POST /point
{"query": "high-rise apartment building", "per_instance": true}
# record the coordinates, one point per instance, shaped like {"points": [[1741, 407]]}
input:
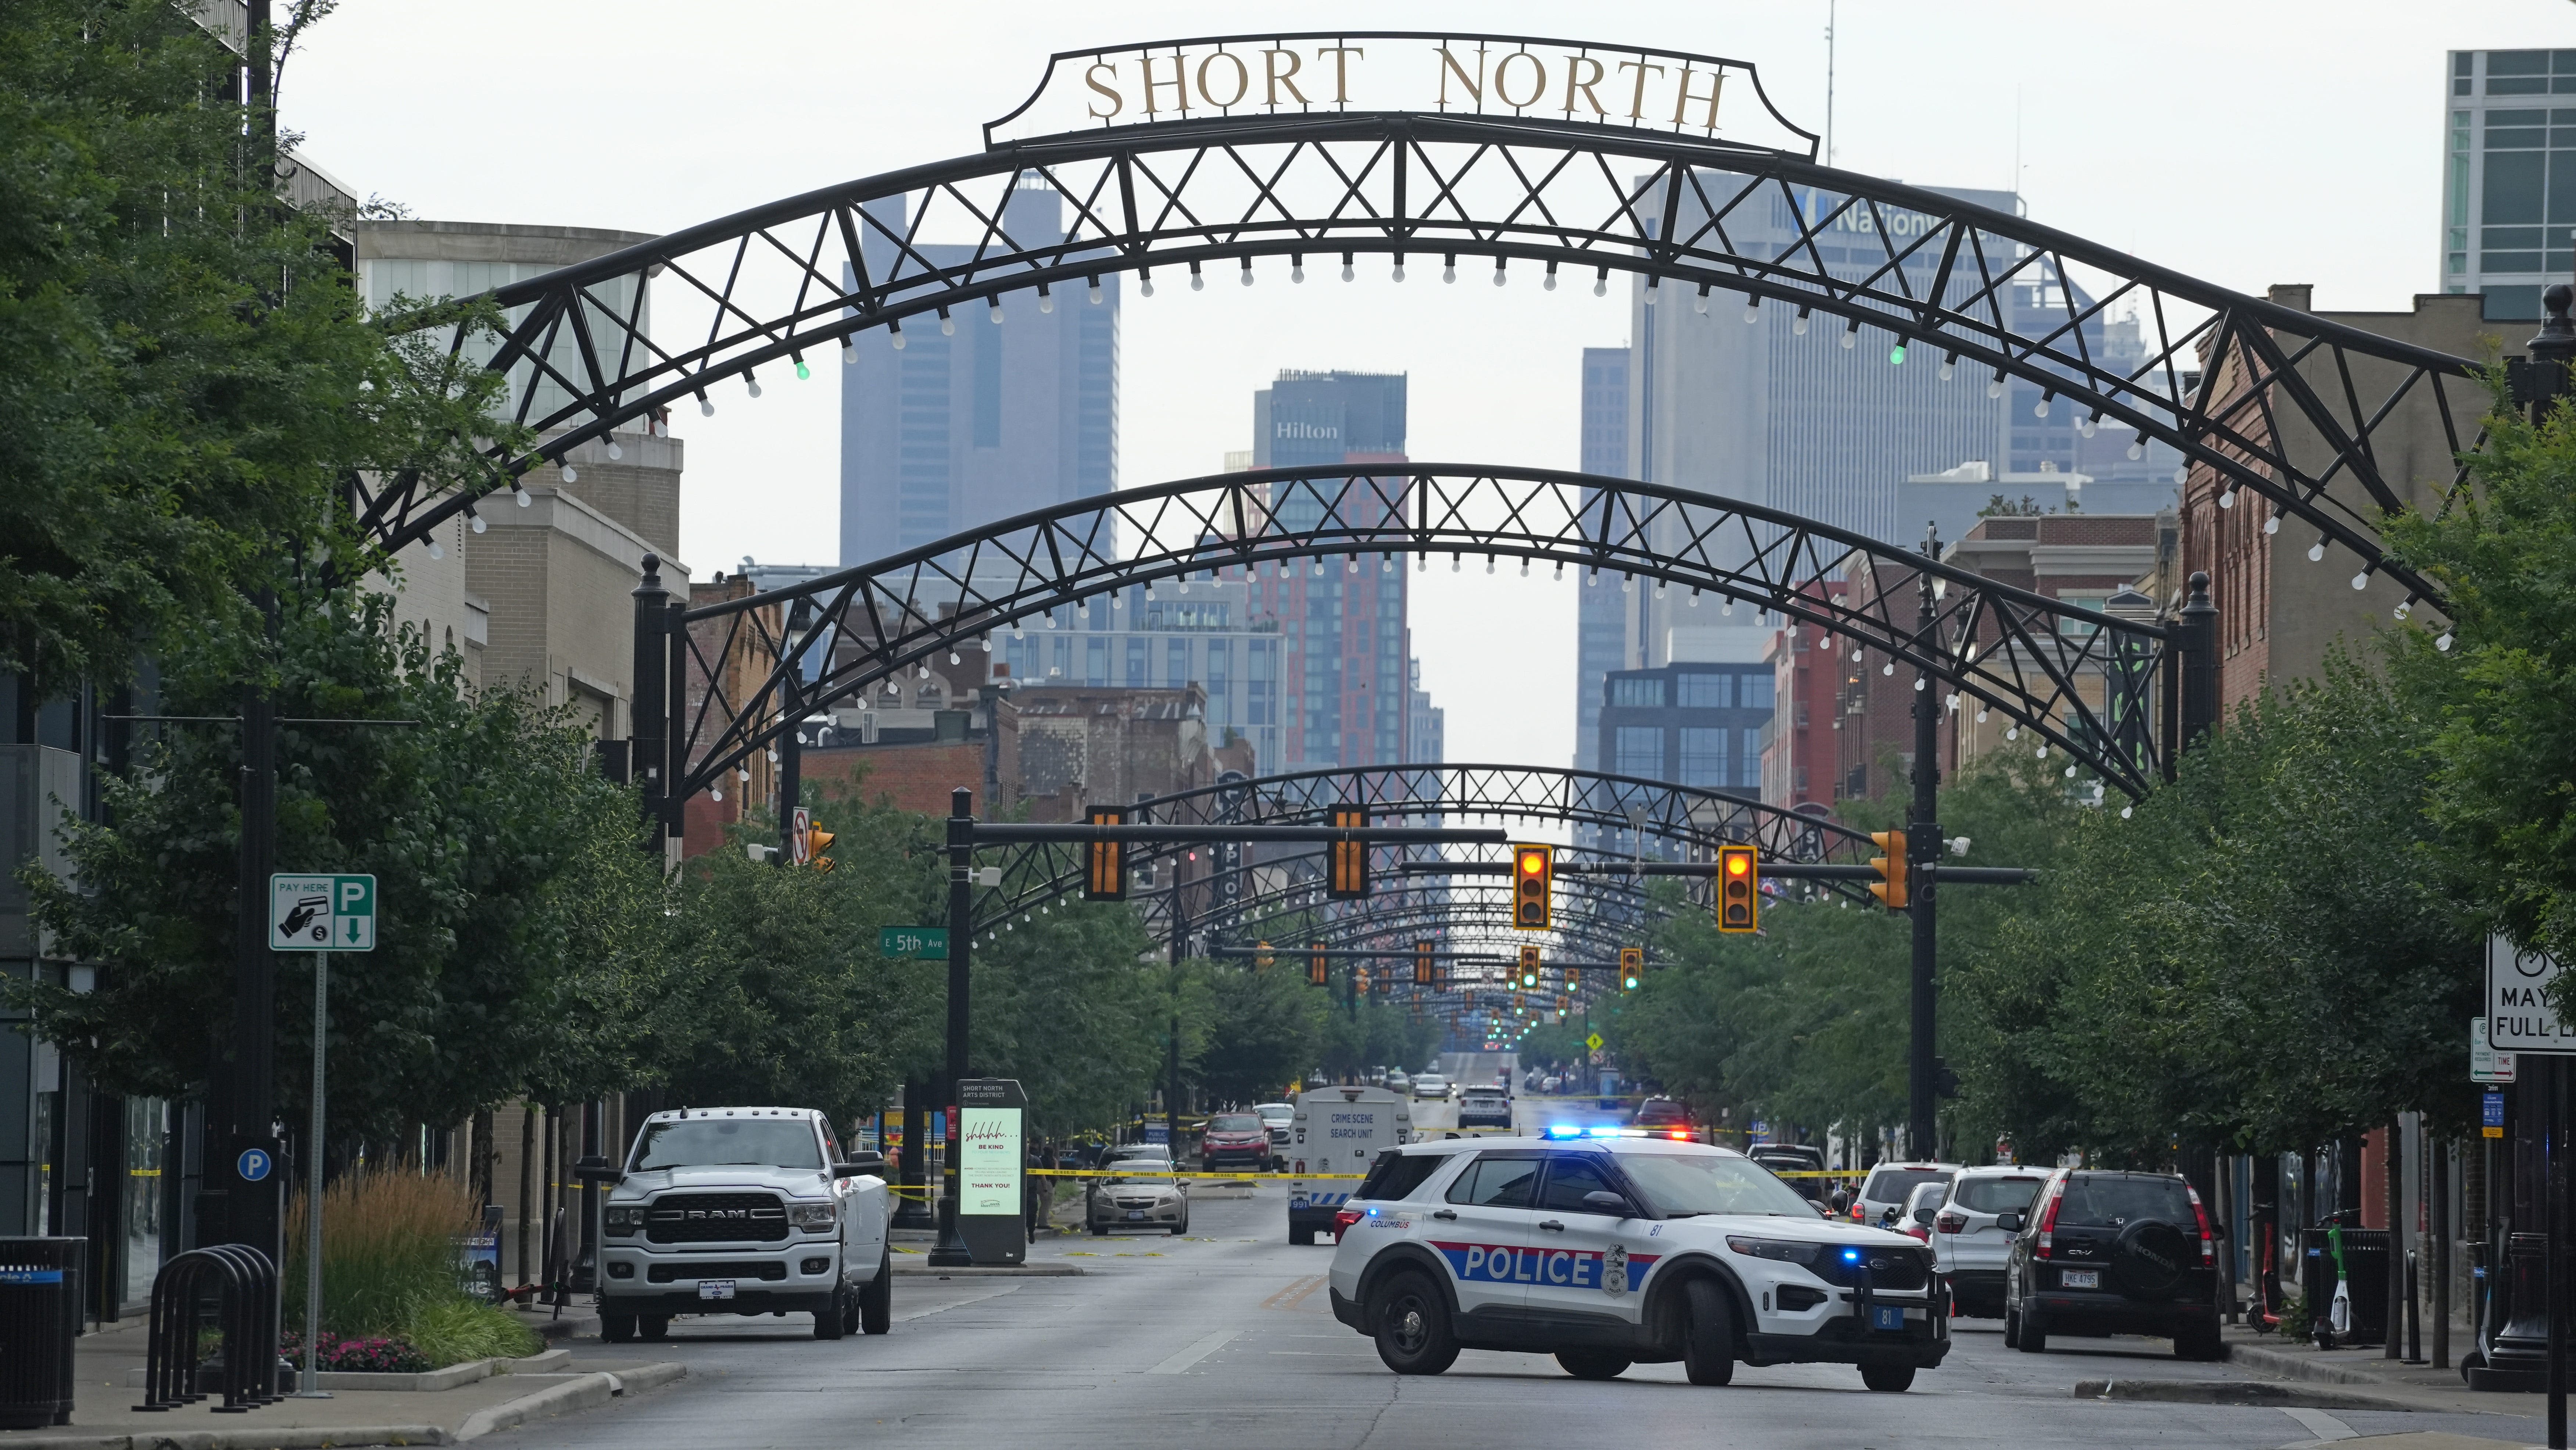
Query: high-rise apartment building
{"points": [[1344, 636], [982, 415], [1800, 412], [2509, 176], [1202, 632], [1601, 629]]}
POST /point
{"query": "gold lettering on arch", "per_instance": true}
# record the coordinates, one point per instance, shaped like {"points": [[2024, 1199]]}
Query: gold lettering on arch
{"points": [[1577, 80], [1449, 66], [1180, 84], [1341, 55], [1242, 79], [1637, 103], [1682, 101], [1272, 77], [1091, 78], [1503, 69]]}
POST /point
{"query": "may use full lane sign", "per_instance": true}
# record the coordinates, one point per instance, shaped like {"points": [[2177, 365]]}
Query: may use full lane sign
{"points": [[2519, 1015]]}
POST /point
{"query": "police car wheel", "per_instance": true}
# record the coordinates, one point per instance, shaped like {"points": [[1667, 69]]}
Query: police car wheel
{"points": [[1593, 1364], [1413, 1334], [1708, 1339], [1893, 1379]]}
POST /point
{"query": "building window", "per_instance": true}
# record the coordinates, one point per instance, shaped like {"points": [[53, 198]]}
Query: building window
{"points": [[1095, 661], [1703, 691], [1176, 663], [1062, 668], [1704, 753], [1136, 661], [1758, 691], [1748, 762], [1645, 690], [1639, 750]]}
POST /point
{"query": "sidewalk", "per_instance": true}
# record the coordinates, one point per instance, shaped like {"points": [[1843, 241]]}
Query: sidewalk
{"points": [[104, 1417], [2368, 1373]]}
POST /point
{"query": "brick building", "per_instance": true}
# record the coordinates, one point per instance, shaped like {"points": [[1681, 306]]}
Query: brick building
{"points": [[2279, 610], [1799, 764]]}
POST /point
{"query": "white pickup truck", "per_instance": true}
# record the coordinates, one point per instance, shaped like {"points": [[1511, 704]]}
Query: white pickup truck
{"points": [[1337, 1130], [744, 1211]]}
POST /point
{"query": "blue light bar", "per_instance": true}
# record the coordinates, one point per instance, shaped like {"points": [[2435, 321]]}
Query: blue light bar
{"points": [[1564, 1130]]}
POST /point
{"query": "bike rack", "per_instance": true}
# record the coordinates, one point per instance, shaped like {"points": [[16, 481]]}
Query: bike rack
{"points": [[242, 1285]]}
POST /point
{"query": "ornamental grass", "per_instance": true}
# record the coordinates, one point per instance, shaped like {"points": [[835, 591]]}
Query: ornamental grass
{"points": [[390, 1262]]}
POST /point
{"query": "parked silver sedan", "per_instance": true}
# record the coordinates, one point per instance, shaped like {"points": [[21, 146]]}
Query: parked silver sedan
{"points": [[1139, 1192]]}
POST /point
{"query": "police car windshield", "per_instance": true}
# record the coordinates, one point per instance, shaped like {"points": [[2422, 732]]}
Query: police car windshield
{"points": [[1679, 1185], [725, 1142]]}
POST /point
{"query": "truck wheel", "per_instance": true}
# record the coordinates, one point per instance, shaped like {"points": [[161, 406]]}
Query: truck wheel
{"points": [[1893, 1379], [616, 1326], [1708, 1340], [1300, 1236], [1413, 1334], [876, 1298], [655, 1327], [828, 1320]]}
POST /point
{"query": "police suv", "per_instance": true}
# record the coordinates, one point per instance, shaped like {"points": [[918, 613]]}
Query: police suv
{"points": [[1610, 1248], [744, 1211]]}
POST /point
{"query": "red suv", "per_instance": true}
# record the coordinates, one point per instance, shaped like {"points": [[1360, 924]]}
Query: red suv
{"points": [[1666, 1118], [1237, 1140]]}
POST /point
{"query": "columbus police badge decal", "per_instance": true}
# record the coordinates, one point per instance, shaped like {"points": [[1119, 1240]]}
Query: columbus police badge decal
{"points": [[1614, 1270]]}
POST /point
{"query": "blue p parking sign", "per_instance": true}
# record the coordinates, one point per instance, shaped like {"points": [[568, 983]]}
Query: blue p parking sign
{"points": [[253, 1165]]}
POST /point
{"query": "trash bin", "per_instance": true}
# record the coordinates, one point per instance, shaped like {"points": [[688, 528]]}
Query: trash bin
{"points": [[2365, 1261], [40, 1298]]}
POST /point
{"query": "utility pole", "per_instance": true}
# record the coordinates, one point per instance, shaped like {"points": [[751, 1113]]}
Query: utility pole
{"points": [[1922, 847], [951, 1250], [1172, 1045], [791, 741]]}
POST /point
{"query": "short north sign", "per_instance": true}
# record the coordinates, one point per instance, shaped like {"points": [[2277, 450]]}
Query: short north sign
{"points": [[1325, 74], [2519, 1015]]}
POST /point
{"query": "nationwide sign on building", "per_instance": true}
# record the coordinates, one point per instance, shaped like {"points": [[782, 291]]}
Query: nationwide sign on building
{"points": [[2519, 1015], [1329, 73]]}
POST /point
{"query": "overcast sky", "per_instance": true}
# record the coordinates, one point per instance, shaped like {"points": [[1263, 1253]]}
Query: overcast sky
{"points": [[2246, 142]]}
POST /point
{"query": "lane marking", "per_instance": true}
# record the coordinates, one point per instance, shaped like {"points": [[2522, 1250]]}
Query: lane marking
{"points": [[2322, 1425], [1295, 1292], [956, 1304], [1198, 1349]]}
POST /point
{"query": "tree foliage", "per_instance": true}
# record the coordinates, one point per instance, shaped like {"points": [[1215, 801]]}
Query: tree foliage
{"points": [[186, 378], [515, 923]]}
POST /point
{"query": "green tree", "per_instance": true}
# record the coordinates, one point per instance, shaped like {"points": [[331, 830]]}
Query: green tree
{"points": [[1265, 1032], [186, 379], [2502, 791], [508, 887], [778, 992], [1071, 1003]]}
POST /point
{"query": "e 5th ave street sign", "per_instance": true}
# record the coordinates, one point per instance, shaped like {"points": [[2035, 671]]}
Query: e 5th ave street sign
{"points": [[912, 941], [322, 913]]}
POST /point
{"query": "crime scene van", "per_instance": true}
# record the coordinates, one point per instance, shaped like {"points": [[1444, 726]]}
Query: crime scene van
{"points": [[1337, 1130]]}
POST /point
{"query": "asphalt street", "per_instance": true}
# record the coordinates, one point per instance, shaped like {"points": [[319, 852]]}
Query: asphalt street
{"points": [[1225, 1338]]}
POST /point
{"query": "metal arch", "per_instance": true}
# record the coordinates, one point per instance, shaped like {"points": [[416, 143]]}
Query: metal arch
{"points": [[1691, 815], [2036, 658], [1595, 900], [1184, 193]]}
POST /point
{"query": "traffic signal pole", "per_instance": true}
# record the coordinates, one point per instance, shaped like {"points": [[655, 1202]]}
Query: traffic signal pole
{"points": [[951, 1250], [1922, 848]]}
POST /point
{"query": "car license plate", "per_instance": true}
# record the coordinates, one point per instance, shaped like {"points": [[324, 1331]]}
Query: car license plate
{"points": [[1886, 1316], [2079, 1278], [1135, 1213], [715, 1288]]}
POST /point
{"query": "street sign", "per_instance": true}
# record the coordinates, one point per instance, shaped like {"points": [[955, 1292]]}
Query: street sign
{"points": [[1593, 1042], [2485, 1063], [2519, 1017], [321, 913], [799, 844], [253, 1165], [913, 941], [2491, 1115]]}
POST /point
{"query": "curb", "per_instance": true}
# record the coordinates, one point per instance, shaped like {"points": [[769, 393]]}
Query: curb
{"points": [[246, 1438], [586, 1392], [2232, 1392], [2306, 1367]]}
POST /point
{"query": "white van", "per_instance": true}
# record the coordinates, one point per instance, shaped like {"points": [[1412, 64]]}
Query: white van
{"points": [[1337, 1130]]}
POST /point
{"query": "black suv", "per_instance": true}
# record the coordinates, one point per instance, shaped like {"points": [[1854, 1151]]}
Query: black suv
{"points": [[2113, 1253]]}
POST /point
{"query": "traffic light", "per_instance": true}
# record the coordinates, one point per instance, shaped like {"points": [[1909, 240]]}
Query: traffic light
{"points": [[818, 842], [1890, 889], [1261, 957], [1519, 1000], [1105, 874], [1632, 967], [1564, 1003], [1348, 872], [1533, 887], [1363, 987], [1739, 888], [1425, 971], [1319, 973], [1529, 966], [1573, 975]]}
